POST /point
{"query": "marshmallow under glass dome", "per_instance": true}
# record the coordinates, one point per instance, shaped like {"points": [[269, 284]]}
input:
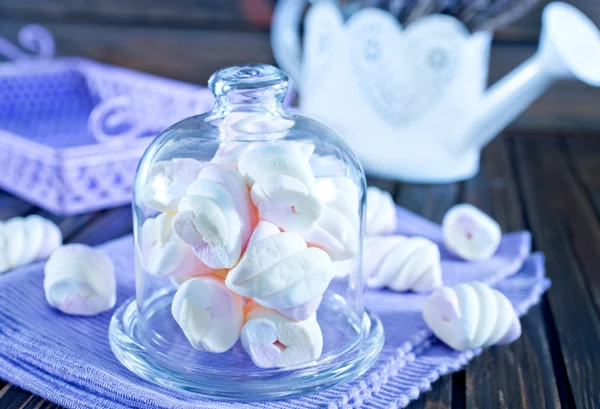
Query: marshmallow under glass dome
{"points": [[248, 234]]}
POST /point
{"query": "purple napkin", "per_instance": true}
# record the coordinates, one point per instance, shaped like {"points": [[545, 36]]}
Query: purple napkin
{"points": [[68, 360]]}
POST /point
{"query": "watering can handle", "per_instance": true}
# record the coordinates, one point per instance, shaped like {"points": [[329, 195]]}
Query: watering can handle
{"points": [[285, 37]]}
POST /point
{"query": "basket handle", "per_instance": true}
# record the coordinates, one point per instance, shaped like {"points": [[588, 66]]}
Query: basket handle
{"points": [[36, 42], [111, 114]]}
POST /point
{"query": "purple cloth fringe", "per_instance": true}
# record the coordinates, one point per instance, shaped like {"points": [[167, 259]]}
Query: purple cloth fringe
{"points": [[68, 359]]}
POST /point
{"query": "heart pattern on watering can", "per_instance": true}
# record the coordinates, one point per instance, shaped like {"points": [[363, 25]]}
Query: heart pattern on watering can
{"points": [[402, 73]]}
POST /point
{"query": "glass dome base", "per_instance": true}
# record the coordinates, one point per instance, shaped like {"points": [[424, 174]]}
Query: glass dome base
{"points": [[155, 348]]}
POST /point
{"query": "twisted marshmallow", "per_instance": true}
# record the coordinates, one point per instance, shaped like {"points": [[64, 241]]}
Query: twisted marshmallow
{"points": [[282, 185], [471, 315], [402, 264], [381, 212], [215, 217], [209, 314], [337, 229], [470, 233], [80, 280], [164, 253], [168, 181], [24, 240], [279, 271], [273, 341], [229, 153]]}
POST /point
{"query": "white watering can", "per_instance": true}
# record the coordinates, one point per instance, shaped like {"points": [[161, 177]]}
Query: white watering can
{"points": [[412, 103]]}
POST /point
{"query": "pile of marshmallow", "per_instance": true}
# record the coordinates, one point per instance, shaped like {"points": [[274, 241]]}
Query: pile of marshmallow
{"points": [[78, 279], [253, 240], [466, 316]]}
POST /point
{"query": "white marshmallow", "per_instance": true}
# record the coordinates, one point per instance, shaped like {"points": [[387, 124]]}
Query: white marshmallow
{"points": [[80, 280], [24, 240], [282, 185], [469, 233], [168, 181], [216, 217], [402, 263], [210, 315], [381, 212], [229, 152], [164, 253], [279, 271], [273, 341], [337, 230], [471, 315]]}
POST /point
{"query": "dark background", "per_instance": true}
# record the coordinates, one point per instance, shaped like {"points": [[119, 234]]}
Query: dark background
{"points": [[190, 39]]}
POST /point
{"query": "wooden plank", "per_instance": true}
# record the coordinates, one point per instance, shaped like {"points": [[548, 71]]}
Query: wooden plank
{"points": [[11, 206], [384, 184], [567, 230], [184, 54], [432, 201], [528, 27], [584, 156], [519, 375], [12, 397], [107, 225], [217, 14], [439, 397]]}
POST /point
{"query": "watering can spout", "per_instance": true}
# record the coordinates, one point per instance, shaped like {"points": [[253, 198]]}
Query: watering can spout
{"points": [[569, 49]]}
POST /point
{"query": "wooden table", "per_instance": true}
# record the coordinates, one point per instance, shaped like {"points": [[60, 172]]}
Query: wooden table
{"points": [[549, 184]]}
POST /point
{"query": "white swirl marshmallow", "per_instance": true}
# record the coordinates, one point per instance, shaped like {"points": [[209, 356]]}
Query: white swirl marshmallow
{"points": [[164, 253], [282, 185], [168, 181], [338, 228], [402, 263], [210, 315], [470, 233], [229, 152], [381, 212], [471, 315], [279, 271], [80, 280], [27, 239], [216, 217], [273, 341]]}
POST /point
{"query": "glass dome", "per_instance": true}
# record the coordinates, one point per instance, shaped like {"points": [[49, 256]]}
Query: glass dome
{"points": [[248, 226]]}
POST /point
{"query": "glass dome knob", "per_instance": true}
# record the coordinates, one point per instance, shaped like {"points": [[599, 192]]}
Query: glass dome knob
{"points": [[251, 81]]}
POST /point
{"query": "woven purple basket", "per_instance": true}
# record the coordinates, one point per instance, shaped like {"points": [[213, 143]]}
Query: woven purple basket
{"points": [[72, 130]]}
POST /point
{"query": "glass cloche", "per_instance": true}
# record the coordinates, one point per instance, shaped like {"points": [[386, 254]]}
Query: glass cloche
{"points": [[248, 228]]}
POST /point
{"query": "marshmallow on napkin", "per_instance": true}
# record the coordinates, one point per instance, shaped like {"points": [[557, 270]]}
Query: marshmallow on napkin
{"points": [[27, 239], [471, 315], [470, 233], [381, 212], [80, 280], [168, 181], [282, 185], [273, 341], [337, 229], [216, 217], [402, 263], [210, 315], [279, 271], [164, 253]]}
